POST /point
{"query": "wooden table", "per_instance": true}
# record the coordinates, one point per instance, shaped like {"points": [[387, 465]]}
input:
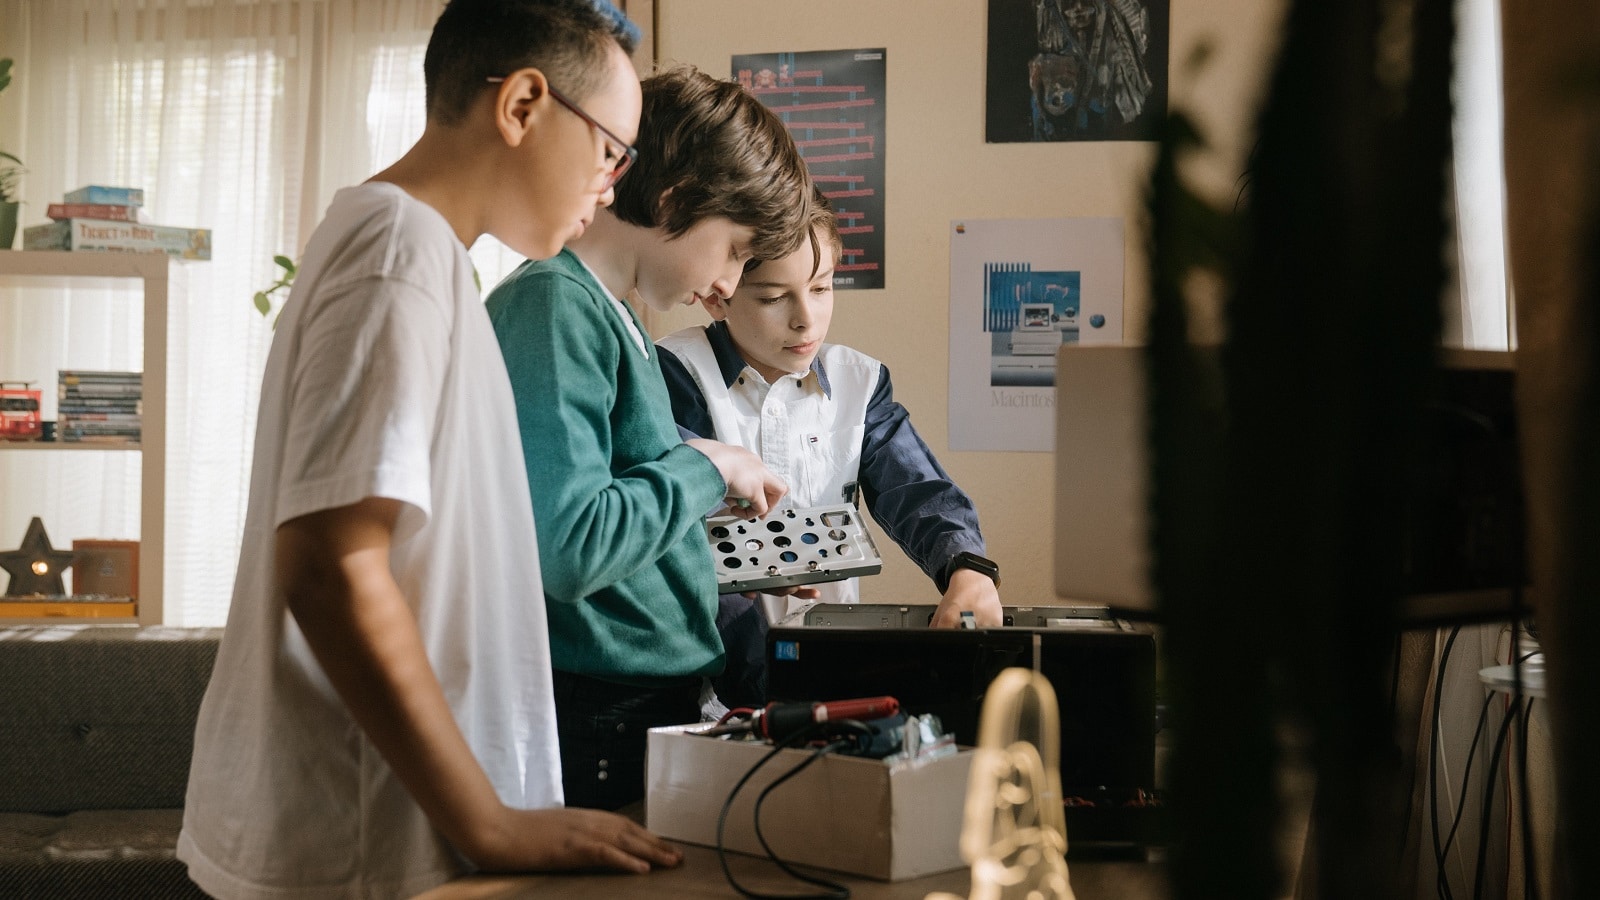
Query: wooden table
{"points": [[700, 878]]}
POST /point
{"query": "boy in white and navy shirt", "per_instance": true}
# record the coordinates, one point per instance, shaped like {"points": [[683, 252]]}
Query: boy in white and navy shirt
{"points": [[823, 417]]}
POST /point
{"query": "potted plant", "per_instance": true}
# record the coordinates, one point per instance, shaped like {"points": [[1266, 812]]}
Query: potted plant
{"points": [[263, 299], [10, 174]]}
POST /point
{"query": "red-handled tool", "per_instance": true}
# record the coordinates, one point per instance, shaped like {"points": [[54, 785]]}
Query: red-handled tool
{"points": [[777, 721]]}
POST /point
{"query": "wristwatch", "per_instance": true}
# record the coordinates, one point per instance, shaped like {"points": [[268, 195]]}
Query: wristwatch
{"points": [[966, 559]]}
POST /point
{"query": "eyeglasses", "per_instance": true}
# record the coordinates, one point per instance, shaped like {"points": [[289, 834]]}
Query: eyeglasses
{"points": [[621, 150]]}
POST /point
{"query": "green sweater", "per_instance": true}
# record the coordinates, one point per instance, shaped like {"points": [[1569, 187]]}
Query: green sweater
{"points": [[618, 498]]}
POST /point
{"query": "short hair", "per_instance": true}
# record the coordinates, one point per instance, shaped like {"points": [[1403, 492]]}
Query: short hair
{"points": [[824, 221], [709, 148], [569, 41]]}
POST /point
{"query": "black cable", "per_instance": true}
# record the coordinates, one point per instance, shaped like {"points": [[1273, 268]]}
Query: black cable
{"points": [[1529, 876], [1519, 536], [1394, 678], [1394, 707], [1488, 799], [839, 892], [1530, 873], [1522, 751], [1442, 884]]}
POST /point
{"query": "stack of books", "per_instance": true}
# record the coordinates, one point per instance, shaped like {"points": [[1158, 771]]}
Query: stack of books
{"points": [[97, 217], [99, 407]]}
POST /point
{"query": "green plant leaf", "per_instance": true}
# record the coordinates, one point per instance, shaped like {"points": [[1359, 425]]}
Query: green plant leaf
{"points": [[263, 305], [285, 263]]}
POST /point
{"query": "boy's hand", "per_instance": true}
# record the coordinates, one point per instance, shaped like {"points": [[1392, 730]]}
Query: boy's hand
{"points": [[333, 567], [798, 591], [555, 840], [748, 478], [969, 590]]}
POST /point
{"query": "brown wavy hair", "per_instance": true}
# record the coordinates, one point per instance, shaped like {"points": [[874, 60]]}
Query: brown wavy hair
{"points": [[823, 222], [709, 148]]}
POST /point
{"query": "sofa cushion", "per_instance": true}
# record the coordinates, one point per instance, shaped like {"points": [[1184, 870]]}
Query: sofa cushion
{"points": [[99, 717], [91, 854]]}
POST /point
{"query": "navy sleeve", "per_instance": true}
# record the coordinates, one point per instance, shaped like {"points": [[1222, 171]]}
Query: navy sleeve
{"points": [[689, 408], [908, 492]]}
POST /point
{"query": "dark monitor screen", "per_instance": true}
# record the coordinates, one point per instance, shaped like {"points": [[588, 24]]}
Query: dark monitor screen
{"points": [[1104, 683], [1465, 533]]}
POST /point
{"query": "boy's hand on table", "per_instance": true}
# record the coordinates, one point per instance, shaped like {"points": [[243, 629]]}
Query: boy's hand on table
{"points": [[969, 591], [747, 477], [556, 840], [334, 568]]}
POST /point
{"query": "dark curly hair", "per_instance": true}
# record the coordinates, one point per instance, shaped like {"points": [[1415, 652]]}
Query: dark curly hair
{"points": [[474, 40]]}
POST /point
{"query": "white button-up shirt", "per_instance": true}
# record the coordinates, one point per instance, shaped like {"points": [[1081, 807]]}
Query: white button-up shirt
{"points": [[830, 432]]}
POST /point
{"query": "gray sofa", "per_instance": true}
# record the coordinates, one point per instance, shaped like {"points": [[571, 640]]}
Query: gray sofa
{"points": [[96, 731]]}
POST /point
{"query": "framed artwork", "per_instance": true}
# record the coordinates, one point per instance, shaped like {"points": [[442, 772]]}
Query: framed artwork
{"points": [[109, 568], [1076, 70]]}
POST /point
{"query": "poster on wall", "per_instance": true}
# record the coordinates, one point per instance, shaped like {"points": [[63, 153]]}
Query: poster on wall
{"points": [[1019, 290], [832, 101], [1076, 70]]}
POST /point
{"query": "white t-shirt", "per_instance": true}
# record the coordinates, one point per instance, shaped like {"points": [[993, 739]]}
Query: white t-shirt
{"points": [[384, 380]]}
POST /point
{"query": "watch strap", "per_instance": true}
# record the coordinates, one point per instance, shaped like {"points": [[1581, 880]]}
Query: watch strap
{"points": [[966, 559]]}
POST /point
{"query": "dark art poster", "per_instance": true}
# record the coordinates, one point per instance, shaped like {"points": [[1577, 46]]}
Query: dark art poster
{"points": [[832, 101], [1076, 70]]}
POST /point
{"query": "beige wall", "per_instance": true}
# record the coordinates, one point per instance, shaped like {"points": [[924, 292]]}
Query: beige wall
{"points": [[939, 169]]}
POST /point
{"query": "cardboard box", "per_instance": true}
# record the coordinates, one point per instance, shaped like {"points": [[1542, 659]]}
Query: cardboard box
{"points": [[845, 813], [96, 234]]}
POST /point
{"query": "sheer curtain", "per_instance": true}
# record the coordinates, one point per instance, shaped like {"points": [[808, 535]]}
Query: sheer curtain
{"points": [[243, 116], [1479, 176]]}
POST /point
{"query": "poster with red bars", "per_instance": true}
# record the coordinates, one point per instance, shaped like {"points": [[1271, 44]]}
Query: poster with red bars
{"points": [[833, 103]]}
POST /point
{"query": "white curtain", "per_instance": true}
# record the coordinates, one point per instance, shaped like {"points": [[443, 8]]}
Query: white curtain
{"points": [[242, 116], [1482, 318]]}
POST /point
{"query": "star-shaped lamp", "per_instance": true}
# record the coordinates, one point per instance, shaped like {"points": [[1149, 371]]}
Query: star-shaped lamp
{"points": [[35, 567]]}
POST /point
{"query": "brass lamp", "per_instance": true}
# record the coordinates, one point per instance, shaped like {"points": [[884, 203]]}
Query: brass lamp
{"points": [[1015, 835]]}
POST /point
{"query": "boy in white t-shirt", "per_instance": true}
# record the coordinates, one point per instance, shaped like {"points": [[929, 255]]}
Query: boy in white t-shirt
{"points": [[824, 418], [380, 717]]}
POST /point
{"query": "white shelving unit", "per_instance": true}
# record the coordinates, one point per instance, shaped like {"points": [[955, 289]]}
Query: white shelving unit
{"points": [[47, 268]]}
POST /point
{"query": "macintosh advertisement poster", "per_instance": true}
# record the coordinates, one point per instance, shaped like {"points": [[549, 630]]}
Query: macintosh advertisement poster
{"points": [[1020, 289]]}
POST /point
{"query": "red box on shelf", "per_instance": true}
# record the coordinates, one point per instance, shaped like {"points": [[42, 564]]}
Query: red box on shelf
{"points": [[19, 412]]}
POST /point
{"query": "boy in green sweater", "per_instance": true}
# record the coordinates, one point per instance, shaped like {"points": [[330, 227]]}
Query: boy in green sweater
{"points": [[619, 496]]}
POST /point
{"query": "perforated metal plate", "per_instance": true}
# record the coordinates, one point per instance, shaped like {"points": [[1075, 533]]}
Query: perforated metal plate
{"points": [[790, 547]]}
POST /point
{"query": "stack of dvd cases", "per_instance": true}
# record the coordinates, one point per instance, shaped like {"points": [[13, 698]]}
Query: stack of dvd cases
{"points": [[99, 407]]}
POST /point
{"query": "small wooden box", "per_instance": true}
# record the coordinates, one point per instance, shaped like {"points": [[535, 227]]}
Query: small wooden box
{"points": [[105, 567]]}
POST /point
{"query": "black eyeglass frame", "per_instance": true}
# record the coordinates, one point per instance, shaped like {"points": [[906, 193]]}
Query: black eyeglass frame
{"points": [[626, 154]]}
